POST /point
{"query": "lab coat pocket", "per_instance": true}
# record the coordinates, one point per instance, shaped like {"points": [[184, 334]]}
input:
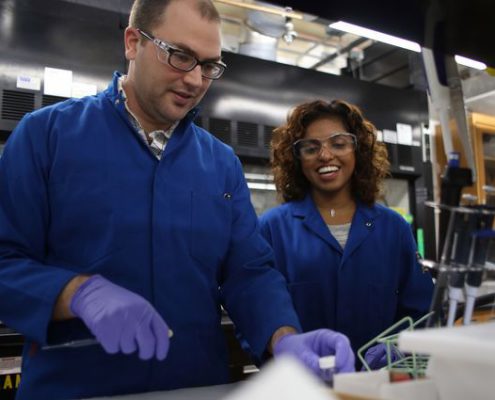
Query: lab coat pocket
{"points": [[211, 226]]}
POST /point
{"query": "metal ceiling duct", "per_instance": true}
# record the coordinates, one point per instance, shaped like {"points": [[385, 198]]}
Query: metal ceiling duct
{"points": [[262, 36], [258, 45]]}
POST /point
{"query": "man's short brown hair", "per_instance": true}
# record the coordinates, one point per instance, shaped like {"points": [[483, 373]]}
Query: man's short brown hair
{"points": [[147, 14]]}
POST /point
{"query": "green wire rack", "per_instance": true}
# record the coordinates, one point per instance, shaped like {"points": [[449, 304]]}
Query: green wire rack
{"points": [[413, 364]]}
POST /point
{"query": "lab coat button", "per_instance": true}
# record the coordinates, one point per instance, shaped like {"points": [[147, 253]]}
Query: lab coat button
{"points": [[227, 196], [368, 224]]}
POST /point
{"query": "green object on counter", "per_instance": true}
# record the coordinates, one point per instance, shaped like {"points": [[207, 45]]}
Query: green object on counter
{"points": [[421, 242], [412, 364], [409, 218]]}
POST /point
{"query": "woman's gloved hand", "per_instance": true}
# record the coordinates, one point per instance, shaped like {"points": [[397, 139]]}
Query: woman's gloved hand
{"points": [[120, 319], [310, 346], [376, 356]]}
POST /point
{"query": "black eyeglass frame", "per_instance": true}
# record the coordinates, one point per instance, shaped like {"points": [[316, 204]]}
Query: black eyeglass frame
{"points": [[170, 50], [295, 145]]}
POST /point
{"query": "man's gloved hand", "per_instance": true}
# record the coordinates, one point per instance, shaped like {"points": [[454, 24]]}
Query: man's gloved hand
{"points": [[310, 346], [120, 319], [376, 356]]}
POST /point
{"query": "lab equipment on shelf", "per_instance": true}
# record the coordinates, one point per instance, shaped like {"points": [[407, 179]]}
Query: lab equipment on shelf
{"points": [[460, 271]]}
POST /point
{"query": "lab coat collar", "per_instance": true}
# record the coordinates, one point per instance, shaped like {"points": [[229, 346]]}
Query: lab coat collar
{"points": [[363, 224], [306, 209], [112, 93]]}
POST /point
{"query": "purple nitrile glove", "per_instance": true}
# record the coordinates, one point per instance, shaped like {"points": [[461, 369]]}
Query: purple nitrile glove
{"points": [[310, 346], [120, 319], [376, 356]]}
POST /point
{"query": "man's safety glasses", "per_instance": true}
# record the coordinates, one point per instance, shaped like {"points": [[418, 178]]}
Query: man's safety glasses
{"points": [[183, 61], [339, 144]]}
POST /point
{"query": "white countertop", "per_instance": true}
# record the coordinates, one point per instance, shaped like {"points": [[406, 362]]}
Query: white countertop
{"points": [[198, 393]]}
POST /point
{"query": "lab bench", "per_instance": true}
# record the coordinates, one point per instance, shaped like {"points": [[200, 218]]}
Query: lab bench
{"points": [[202, 393], [199, 393]]}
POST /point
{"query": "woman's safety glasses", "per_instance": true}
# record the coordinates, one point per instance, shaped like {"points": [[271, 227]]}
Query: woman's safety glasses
{"points": [[339, 144]]}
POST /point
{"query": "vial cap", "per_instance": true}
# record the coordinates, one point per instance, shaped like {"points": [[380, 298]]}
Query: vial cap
{"points": [[454, 159], [327, 362]]}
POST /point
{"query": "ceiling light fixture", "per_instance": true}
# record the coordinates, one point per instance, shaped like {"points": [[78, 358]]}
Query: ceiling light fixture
{"points": [[396, 41], [375, 35], [468, 62], [290, 33]]}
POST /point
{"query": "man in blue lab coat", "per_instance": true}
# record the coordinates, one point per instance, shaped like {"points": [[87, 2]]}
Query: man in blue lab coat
{"points": [[122, 220]]}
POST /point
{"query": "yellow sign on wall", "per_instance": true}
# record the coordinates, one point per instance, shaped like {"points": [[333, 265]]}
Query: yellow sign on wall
{"points": [[9, 382]]}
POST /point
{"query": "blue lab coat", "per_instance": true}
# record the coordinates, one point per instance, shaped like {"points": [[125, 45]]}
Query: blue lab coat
{"points": [[359, 291], [80, 192]]}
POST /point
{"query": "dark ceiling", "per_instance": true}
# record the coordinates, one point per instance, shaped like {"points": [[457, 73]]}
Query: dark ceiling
{"points": [[383, 64], [463, 27]]}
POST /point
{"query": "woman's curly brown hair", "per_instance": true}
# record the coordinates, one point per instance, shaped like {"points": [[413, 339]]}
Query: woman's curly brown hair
{"points": [[372, 164]]}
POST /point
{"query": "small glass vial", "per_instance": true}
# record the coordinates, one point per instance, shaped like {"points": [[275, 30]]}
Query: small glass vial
{"points": [[327, 367]]}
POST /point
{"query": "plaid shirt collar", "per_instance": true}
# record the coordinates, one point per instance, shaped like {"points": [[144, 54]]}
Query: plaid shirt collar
{"points": [[155, 140]]}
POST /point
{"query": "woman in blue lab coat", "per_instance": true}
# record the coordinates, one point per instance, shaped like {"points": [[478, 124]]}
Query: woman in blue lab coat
{"points": [[350, 263]]}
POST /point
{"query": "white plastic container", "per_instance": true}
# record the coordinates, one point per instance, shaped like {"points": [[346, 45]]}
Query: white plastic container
{"points": [[462, 362], [327, 367]]}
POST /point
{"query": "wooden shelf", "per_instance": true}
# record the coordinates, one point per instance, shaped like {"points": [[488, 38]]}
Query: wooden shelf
{"points": [[482, 131]]}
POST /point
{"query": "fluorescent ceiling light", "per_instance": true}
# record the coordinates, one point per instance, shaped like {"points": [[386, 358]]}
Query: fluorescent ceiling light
{"points": [[470, 63], [375, 35], [395, 41], [261, 186], [252, 176]]}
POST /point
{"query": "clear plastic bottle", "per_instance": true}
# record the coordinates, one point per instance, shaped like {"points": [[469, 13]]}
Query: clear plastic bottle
{"points": [[327, 367]]}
